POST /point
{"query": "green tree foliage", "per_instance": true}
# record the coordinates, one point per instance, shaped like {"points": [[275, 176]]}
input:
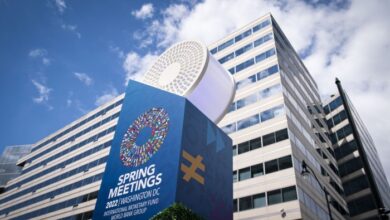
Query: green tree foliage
{"points": [[176, 211]]}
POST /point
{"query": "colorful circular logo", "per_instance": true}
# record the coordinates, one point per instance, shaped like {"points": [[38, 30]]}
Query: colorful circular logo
{"points": [[133, 154]]}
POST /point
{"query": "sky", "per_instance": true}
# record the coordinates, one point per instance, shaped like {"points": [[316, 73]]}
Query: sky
{"points": [[59, 59]]}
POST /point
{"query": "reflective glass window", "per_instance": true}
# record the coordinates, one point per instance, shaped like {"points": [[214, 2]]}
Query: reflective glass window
{"points": [[242, 83], [268, 139], [289, 194], [229, 128], [214, 51], [244, 174], [257, 170], [281, 135], [226, 58], [285, 162], [243, 35], [247, 122], [274, 197], [255, 143], [245, 203], [271, 166], [243, 49], [246, 101], [235, 176], [259, 200], [234, 150], [243, 147], [245, 65], [270, 91], [226, 44]]}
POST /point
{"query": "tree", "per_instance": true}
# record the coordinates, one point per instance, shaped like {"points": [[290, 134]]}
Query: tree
{"points": [[176, 211]]}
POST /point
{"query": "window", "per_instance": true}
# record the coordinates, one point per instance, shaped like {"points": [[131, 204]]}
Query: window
{"points": [[229, 128], [271, 166], [234, 150], [255, 143], [355, 185], [271, 113], [242, 83], [245, 65], [226, 44], [281, 135], [270, 91], [259, 200], [274, 197], [245, 203], [244, 174], [214, 51], [243, 35], [257, 170], [285, 162], [268, 139], [265, 55], [243, 49], [243, 147], [261, 25], [232, 70], [235, 208], [335, 103], [244, 123], [246, 101], [226, 58], [234, 176], [289, 194]]}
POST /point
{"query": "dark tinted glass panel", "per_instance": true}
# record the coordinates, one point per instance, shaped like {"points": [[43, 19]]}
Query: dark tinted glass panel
{"points": [[345, 149], [244, 174], [244, 49], [242, 83], [355, 185], [274, 197], [268, 139], [271, 166], [226, 44], [255, 143], [257, 170], [234, 176], [245, 65], [350, 166], [243, 35], [259, 200], [285, 162], [243, 147], [214, 51], [335, 103], [226, 58], [232, 70], [246, 203], [235, 207], [289, 194], [281, 135], [234, 150], [361, 205]]}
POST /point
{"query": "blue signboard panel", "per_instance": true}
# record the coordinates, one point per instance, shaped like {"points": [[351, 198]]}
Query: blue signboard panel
{"points": [[164, 151]]}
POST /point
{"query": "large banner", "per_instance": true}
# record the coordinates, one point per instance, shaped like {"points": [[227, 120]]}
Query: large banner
{"points": [[164, 151]]}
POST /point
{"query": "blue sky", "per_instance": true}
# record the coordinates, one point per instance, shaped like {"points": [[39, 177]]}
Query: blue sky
{"points": [[60, 59], [56, 61]]}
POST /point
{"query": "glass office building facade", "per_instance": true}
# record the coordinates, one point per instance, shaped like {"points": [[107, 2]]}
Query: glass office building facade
{"points": [[362, 174], [8, 168], [276, 121]]}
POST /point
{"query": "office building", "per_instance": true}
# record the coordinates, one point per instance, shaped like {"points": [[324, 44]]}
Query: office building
{"points": [[365, 185], [276, 121], [8, 168]]}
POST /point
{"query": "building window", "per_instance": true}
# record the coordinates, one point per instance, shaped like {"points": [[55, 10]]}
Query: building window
{"points": [[289, 194], [274, 197], [244, 174], [235, 208], [243, 147], [255, 143], [245, 203], [235, 176], [285, 162], [271, 166], [259, 200], [257, 170]]}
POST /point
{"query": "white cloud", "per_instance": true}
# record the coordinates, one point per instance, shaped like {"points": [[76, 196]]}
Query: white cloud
{"points": [[348, 39], [146, 11], [40, 53], [43, 91], [136, 65], [61, 5], [106, 96], [71, 28], [84, 78], [117, 51]]}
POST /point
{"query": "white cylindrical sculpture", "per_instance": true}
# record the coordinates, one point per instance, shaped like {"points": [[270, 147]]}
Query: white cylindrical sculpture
{"points": [[188, 69]]}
